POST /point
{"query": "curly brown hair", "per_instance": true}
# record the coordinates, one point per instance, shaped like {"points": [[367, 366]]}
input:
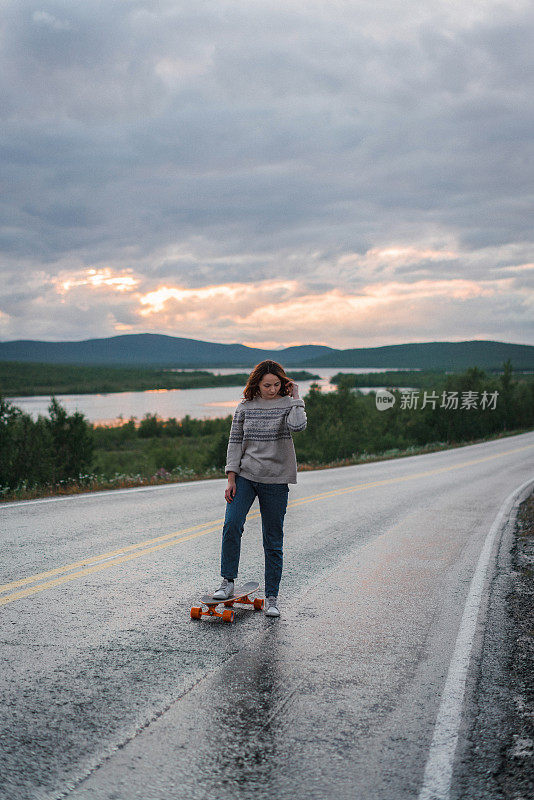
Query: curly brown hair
{"points": [[252, 389]]}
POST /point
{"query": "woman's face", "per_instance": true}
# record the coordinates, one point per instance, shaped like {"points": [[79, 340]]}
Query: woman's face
{"points": [[269, 386]]}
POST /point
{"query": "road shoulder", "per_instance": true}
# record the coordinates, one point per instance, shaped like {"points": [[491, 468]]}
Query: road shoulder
{"points": [[496, 759]]}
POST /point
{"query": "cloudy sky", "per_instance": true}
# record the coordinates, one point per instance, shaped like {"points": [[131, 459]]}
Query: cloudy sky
{"points": [[273, 173]]}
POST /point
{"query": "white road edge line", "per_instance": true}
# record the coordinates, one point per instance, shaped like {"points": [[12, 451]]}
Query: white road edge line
{"points": [[437, 777], [117, 492]]}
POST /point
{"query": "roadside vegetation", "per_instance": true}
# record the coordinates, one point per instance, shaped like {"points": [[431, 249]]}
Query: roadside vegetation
{"points": [[65, 454], [20, 379]]}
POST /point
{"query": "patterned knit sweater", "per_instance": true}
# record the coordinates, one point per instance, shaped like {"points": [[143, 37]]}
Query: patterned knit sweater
{"points": [[260, 447]]}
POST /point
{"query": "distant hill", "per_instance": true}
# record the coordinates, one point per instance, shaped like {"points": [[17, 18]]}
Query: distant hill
{"points": [[148, 349], [433, 355]]}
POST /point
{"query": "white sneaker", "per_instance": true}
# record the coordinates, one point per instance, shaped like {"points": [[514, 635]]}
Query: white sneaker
{"points": [[225, 590], [271, 607]]}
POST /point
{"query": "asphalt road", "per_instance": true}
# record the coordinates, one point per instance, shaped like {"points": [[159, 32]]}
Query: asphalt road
{"points": [[110, 691]]}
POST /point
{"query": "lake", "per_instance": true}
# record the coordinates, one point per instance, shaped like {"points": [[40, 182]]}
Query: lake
{"points": [[200, 403]]}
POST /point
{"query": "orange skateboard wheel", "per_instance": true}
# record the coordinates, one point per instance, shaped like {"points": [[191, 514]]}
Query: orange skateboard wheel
{"points": [[196, 612], [258, 603], [228, 615]]}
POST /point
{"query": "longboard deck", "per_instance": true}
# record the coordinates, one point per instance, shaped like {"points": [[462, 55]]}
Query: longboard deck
{"points": [[240, 595], [241, 591]]}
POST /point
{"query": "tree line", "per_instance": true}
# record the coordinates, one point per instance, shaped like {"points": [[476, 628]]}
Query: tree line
{"points": [[23, 379], [346, 423]]}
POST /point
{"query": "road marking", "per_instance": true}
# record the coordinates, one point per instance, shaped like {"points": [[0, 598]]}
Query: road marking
{"points": [[103, 556], [118, 492], [401, 478], [439, 766], [98, 567], [167, 540]]}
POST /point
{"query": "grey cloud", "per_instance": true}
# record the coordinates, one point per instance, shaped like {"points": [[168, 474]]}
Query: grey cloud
{"points": [[262, 129]]}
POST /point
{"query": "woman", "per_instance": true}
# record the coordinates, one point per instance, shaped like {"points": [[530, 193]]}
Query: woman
{"points": [[261, 463]]}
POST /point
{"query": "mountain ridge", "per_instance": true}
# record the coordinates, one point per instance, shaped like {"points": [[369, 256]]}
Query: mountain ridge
{"points": [[152, 349]]}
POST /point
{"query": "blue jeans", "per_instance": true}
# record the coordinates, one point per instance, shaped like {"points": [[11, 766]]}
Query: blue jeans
{"points": [[273, 503]]}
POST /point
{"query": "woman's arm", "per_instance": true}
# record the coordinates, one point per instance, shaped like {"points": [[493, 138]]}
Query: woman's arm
{"points": [[229, 492], [296, 419], [234, 452], [235, 442]]}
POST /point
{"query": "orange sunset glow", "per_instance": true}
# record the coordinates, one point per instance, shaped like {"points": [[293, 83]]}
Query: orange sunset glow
{"points": [[273, 313]]}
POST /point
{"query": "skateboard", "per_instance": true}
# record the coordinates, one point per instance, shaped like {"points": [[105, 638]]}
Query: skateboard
{"points": [[240, 595]]}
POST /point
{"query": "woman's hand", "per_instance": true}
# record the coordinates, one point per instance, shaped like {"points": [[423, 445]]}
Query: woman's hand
{"points": [[292, 389], [230, 490]]}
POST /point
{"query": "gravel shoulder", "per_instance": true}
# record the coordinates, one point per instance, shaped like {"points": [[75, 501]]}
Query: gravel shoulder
{"points": [[497, 760], [516, 776]]}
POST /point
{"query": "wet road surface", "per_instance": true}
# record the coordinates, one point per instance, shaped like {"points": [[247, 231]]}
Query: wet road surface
{"points": [[109, 690]]}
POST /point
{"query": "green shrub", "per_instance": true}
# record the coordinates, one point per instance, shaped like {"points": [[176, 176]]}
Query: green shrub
{"points": [[45, 451]]}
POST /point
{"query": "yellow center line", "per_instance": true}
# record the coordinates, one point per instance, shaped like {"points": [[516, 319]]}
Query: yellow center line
{"points": [[97, 568], [123, 554], [360, 486], [110, 554]]}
